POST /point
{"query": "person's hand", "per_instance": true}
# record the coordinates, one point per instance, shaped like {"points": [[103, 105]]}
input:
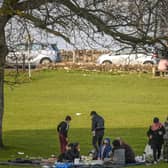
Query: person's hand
{"points": [[93, 133], [160, 132], [150, 137], [67, 139]]}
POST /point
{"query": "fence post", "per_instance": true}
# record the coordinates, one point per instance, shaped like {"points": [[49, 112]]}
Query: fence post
{"points": [[74, 56]]}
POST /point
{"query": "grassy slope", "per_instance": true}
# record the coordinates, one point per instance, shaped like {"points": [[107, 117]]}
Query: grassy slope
{"points": [[32, 110]]}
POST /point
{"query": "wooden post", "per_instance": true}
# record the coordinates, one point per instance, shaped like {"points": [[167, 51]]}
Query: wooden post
{"points": [[153, 71], [74, 56]]}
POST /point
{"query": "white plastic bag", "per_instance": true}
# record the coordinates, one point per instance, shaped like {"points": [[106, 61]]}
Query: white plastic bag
{"points": [[148, 150], [148, 153]]}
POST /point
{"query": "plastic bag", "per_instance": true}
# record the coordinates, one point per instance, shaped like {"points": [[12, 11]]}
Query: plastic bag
{"points": [[148, 154]]}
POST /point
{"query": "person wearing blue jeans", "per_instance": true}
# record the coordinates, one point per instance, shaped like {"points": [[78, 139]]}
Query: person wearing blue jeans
{"points": [[105, 150]]}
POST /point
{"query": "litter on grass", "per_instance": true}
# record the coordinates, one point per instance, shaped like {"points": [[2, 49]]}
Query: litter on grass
{"points": [[20, 153]]}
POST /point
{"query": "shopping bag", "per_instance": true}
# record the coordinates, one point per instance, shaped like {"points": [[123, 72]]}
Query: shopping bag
{"points": [[148, 154]]}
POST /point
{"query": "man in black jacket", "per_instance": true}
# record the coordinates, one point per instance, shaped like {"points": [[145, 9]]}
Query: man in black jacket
{"points": [[62, 129], [97, 129], [155, 134]]}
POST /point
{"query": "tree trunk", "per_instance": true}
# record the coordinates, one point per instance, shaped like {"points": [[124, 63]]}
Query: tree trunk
{"points": [[3, 53]]}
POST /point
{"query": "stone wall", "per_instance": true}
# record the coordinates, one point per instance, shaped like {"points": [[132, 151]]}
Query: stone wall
{"points": [[81, 55]]}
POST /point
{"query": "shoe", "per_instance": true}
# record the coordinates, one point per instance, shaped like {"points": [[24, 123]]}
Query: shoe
{"points": [[155, 162], [148, 164], [165, 160]]}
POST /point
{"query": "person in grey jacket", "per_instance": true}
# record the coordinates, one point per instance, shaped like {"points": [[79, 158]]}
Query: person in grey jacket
{"points": [[165, 145], [97, 130]]}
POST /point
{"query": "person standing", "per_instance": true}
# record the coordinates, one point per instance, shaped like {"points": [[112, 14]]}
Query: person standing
{"points": [[155, 134], [97, 130], [165, 146], [62, 130]]}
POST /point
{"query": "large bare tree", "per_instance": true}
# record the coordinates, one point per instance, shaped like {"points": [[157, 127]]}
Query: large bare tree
{"points": [[131, 22]]}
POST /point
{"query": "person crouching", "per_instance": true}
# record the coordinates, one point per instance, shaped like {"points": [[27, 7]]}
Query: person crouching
{"points": [[105, 149]]}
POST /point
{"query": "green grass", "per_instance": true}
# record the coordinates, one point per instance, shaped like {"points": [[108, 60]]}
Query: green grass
{"points": [[33, 109]]}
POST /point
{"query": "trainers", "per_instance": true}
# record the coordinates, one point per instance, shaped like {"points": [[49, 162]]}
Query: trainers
{"points": [[155, 162], [165, 160]]}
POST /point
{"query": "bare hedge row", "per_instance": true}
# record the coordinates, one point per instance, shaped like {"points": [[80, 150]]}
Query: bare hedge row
{"points": [[98, 68]]}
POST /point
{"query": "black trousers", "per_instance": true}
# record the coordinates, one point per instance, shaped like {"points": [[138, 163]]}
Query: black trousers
{"points": [[97, 140], [156, 151]]}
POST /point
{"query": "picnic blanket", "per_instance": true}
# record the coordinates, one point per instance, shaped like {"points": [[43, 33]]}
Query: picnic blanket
{"points": [[71, 165], [28, 162], [40, 163]]}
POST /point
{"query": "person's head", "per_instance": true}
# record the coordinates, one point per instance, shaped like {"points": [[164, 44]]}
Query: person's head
{"points": [[69, 146], [106, 141], [77, 146], [155, 120], [116, 143], [68, 118], [93, 113], [120, 140]]}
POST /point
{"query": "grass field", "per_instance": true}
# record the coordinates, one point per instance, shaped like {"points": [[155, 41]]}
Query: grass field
{"points": [[128, 102]]}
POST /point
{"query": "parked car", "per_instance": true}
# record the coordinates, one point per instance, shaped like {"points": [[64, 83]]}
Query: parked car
{"points": [[34, 53], [128, 56]]}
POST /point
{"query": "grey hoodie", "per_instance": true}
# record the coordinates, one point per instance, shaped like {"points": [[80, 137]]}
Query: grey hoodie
{"points": [[166, 130]]}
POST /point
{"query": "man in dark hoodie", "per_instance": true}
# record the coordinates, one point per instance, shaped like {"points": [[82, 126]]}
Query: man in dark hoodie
{"points": [[62, 129], [97, 130]]}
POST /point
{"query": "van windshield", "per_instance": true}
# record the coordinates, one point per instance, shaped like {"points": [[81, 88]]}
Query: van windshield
{"points": [[54, 46], [21, 47], [36, 47]]}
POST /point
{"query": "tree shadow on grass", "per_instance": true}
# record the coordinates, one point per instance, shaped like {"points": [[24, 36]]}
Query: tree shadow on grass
{"points": [[45, 142]]}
